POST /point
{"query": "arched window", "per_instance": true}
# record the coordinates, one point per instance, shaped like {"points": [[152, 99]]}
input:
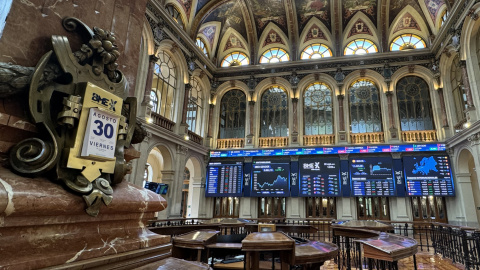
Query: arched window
{"points": [[235, 59], [274, 55], [164, 84], [201, 44], [365, 113], [360, 46], [407, 42], [176, 15], [315, 51], [318, 115], [154, 100], [414, 106], [443, 17], [4, 10], [233, 114], [274, 113], [459, 96], [195, 108]]}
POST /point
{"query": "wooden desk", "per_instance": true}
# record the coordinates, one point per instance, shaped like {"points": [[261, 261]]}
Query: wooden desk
{"points": [[313, 254], [197, 240], [298, 229], [174, 263], [388, 247], [345, 232], [254, 243]]}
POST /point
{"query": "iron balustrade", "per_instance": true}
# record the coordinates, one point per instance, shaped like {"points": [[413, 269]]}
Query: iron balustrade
{"points": [[460, 244]]}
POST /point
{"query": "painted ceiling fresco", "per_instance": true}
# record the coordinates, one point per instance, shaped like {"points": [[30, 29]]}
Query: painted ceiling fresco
{"points": [[250, 18], [265, 11], [306, 9], [230, 15], [351, 7]]}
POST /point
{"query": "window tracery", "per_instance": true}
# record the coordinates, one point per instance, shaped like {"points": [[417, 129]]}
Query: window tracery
{"points": [[235, 59], [365, 111], [274, 113], [318, 113], [274, 55], [233, 114], [164, 84], [414, 105], [360, 46], [407, 42], [315, 51]]}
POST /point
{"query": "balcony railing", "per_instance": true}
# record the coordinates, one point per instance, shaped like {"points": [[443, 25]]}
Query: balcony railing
{"points": [[162, 121], [318, 139], [195, 137], [419, 136], [230, 143], [372, 137], [272, 141]]}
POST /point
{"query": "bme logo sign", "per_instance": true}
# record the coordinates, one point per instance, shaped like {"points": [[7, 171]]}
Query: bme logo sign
{"points": [[110, 104]]}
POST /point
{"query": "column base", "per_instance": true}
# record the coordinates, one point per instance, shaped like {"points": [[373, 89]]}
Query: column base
{"points": [[394, 134], [249, 141], [342, 137], [294, 141]]}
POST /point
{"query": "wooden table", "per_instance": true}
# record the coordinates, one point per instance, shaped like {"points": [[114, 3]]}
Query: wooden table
{"points": [[184, 245], [254, 243], [345, 232], [222, 246], [174, 263], [388, 247], [313, 254], [298, 229]]}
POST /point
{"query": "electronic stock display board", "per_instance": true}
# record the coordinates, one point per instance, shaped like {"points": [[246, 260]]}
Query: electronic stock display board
{"points": [[372, 176], [364, 149], [270, 179], [319, 177], [428, 175], [224, 179]]}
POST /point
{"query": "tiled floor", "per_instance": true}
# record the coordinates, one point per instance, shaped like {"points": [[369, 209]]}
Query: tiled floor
{"points": [[425, 261]]}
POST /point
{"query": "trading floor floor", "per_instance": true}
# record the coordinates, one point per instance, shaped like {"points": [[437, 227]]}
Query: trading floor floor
{"points": [[425, 261]]}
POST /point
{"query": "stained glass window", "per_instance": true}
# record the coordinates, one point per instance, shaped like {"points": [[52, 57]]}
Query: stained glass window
{"points": [[164, 84], [233, 115], [365, 112], [407, 42], [316, 51], [274, 113], [235, 59], [195, 108], [274, 55], [318, 115], [360, 46], [176, 15], [202, 46], [414, 106]]}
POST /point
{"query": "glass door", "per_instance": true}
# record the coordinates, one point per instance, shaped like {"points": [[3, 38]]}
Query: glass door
{"points": [[429, 209], [373, 208], [321, 207], [271, 207], [226, 207]]}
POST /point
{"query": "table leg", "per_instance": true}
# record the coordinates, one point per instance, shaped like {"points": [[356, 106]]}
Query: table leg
{"points": [[414, 262], [199, 255], [347, 248], [255, 258]]}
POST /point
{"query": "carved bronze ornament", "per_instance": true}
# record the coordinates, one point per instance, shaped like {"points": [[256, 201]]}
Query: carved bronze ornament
{"points": [[78, 101]]}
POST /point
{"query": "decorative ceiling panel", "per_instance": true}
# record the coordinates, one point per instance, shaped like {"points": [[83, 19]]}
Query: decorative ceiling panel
{"points": [[230, 15], [433, 6], [265, 11], [201, 4], [351, 7], [306, 9], [187, 7]]}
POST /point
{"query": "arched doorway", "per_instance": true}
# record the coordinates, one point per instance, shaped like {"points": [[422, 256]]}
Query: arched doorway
{"points": [[466, 169], [196, 189], [159, 170]]}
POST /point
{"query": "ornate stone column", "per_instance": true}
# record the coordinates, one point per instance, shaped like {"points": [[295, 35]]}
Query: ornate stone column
{"points": [[183, 125], [341, 120], [148, 85], [250, 136], [175, 193], [466, 83], [295, 121], [442, 107], [210, 119], [393, 130]]}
